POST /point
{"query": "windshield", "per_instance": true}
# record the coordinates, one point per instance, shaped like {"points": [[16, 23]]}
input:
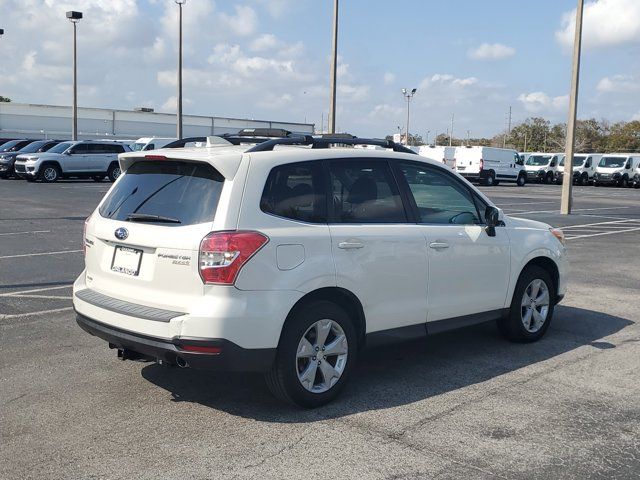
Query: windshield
{"points": [[34, 146], [61, 147], [9, 146], [136, 147], [578, 160], [187, 193], [538, 160], [612, 162]]}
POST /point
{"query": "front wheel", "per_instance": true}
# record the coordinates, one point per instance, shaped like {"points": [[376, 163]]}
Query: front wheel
{"points": [[624, 182], [522, 181], [50, 174], [316, 354], [531, 307], [548, 179]]}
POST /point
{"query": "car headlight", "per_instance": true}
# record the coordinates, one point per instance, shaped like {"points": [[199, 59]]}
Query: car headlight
{"points": [[559, 234]]}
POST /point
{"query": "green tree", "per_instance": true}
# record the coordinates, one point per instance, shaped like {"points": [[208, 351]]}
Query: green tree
{"points": [[531, 135], [4, 99]]}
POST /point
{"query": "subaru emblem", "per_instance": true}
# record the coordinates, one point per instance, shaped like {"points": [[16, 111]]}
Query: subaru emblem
{"points": [[121, 233]]}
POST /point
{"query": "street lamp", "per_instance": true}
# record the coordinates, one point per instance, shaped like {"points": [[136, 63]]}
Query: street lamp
{"points": [[427, 139], [74, 17], [180, 3], [334, 71], [408, 95]]}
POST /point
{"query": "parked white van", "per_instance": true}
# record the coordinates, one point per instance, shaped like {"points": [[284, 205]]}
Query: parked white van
{"points": [[584, 168], [616, 168], [439, 153], [150, 143], [489, 165], [542, 167]]}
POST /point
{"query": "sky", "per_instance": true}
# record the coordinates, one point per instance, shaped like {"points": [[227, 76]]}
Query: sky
{"points": [[269, 59]]}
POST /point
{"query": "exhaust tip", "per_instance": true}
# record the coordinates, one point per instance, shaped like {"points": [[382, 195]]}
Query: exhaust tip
{"points": [[181, 362]]}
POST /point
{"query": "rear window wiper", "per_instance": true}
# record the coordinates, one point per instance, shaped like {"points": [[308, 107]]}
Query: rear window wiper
{"points": [[145, 217]]}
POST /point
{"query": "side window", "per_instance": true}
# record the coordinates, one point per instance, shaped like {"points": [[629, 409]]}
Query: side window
{"points": [[628, 165], [296, 191], [554, 159], [96, 148], [518, 160], [114, 148], [440, 197], [364, 191], [587, 164], [79, 149]]}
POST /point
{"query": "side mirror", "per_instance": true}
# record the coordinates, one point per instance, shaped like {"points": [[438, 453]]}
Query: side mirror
{"points": [[492, 218]]}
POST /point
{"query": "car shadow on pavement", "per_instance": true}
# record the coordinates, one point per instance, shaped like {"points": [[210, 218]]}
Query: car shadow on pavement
{"points": [[400, 374]]}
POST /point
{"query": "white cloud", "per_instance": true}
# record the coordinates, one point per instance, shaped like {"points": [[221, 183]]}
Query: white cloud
{"points": [[540, 102], [606, 23], [491, 51], [619, 84], [244, 22], [389, 78]]}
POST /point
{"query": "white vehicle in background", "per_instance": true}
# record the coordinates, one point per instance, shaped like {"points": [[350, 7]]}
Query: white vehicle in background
{"points": [[150, 143], [443, 154], [584, 168], [542, 167], [524, 156], [489, 165], [616, 169], [635, 180]]}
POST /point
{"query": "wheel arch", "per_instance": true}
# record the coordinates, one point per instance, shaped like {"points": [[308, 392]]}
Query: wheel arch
{"points": [[341, 297], [547, 264]]}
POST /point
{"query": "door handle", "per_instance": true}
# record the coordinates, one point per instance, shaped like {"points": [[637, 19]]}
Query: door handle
{"points": [[350, 245], [438, 245]]}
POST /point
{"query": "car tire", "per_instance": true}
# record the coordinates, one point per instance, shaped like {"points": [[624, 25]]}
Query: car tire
{"points": [[548, 179], [98, 178], [298, 375], [584, 179], [521, 181], [114, 172], [490, 179], [49, 173], [527, 320], [624, 182]]}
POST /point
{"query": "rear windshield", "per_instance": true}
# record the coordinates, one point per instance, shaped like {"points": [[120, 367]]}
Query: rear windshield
{"points": [[176, 193]]}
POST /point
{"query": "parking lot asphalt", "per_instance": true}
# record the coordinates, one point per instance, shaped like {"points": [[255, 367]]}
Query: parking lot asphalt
{"points": [[465, 404]]}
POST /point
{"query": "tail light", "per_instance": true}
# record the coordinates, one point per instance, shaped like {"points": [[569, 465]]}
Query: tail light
{"points": [[481, 164], [223, 254], [84, 235]]}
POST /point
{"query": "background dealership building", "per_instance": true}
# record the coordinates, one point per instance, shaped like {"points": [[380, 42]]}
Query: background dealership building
{"points": [[19, 120]]}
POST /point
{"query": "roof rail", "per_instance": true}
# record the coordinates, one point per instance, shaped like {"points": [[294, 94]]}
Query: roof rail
{"points": [[326, 141]]}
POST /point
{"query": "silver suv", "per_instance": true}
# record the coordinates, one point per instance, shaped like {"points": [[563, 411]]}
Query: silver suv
{"points": [[81, 159]]}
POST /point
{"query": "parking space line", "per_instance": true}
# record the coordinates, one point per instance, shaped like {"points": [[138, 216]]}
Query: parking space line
{"points": [[613, 222], [603, 233], [575, 210], [29, 314], [39, 254], [10, 294], [24, 233], [47, 297]]}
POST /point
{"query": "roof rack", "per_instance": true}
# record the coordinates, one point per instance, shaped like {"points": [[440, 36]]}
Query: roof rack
{"points": [[325, 141]]}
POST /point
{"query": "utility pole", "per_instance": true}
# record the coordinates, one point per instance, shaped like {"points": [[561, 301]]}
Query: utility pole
{"points": [[525, 142], [451, 131], [567, 179], [179, 119], [427, 139], [75, 17], [334, 71], [408, 94], [468, 137]]}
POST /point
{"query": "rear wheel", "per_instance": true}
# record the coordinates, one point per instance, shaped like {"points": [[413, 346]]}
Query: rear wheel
{"points": [[49, 173], [531, 307], [521, 181], [114, 172], [490, 179], [316, 354]]}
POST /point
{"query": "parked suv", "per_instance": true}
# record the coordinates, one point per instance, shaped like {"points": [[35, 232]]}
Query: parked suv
{"points": [[290, 260], [8, 159], [81, 159]]}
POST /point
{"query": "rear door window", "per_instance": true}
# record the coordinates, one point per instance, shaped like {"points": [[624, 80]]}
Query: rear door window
{"points": [[296, 191], [171, 193], [365, 191]]}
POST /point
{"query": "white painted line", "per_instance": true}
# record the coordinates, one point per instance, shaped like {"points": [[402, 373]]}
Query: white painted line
{"points": [[24, 233], [50, 297], [603, 233], [575, 210], [29, 314], [39, 254], [36, 290], [613, 223], [522, 203]]}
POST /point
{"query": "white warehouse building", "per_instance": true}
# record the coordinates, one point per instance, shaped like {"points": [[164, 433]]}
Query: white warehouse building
{"points": [[21, 120]]}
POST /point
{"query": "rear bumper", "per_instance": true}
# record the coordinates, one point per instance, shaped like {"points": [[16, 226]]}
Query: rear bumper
{"points": [[231, 357]]}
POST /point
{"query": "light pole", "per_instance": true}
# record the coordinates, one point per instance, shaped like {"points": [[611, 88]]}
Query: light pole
{"points": [[180, 3], [334, 71], [567, 179], [408, 95], [74, 17], [427, 139]]}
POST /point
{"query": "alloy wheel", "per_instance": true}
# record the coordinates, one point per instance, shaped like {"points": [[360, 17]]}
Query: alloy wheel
{"points": [[321, 356], [535, 305]]}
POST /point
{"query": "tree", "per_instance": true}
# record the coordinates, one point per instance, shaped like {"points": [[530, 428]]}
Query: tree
{"points": [[624, 137], [4, 99], [531, 135]]}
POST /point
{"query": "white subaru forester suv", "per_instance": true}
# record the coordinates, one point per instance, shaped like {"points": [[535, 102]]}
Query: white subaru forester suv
{"points": [[288, 259]]}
